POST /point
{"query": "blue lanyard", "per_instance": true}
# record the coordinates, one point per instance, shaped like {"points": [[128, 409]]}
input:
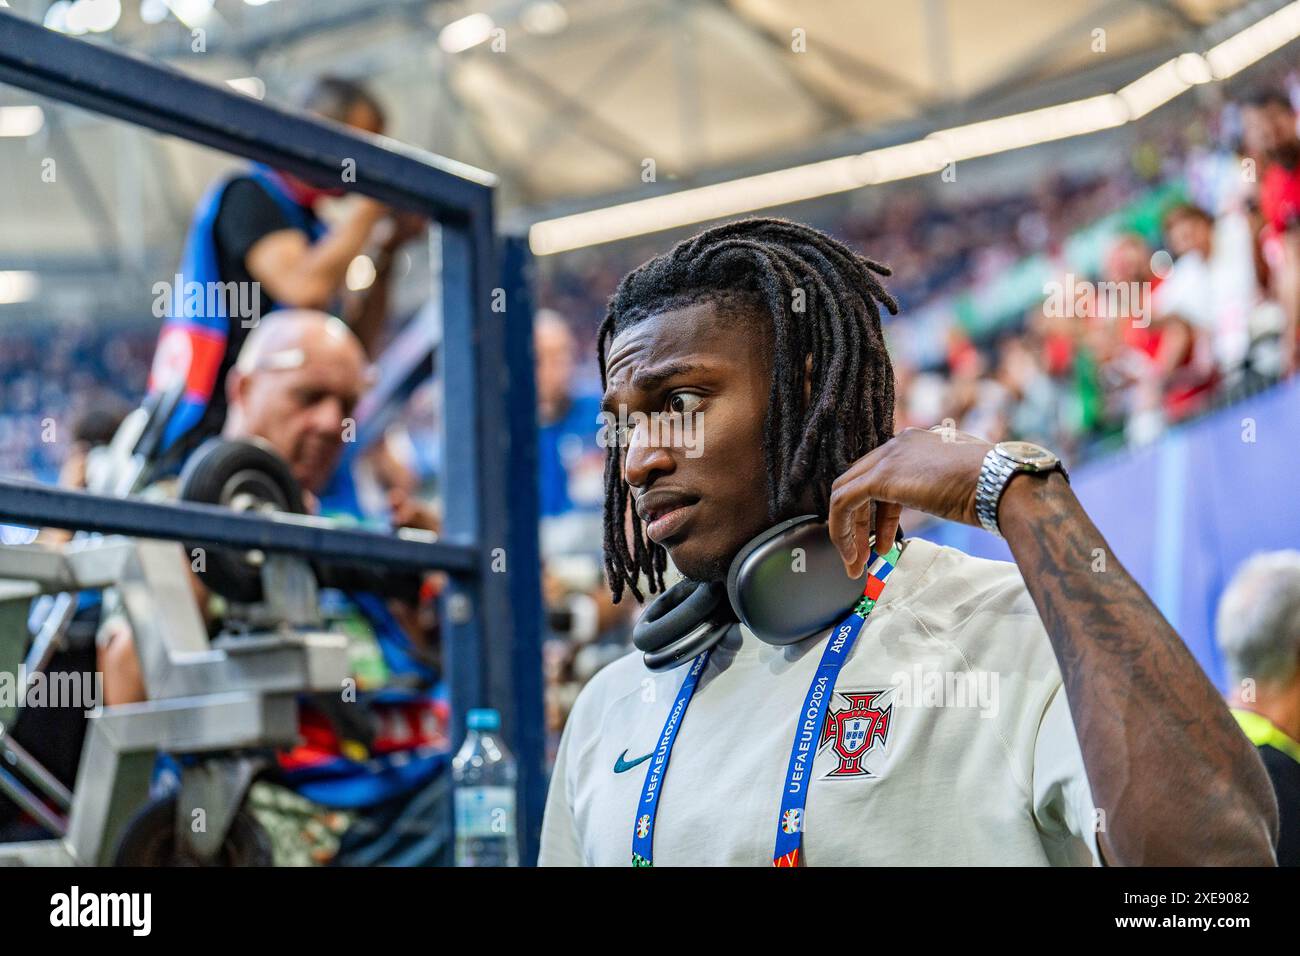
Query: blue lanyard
{"points": [[643, 831], [789, 834], [808, 732]]}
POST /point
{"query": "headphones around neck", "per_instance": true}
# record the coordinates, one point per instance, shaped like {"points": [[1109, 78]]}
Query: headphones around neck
{"points": [[785, 585]]}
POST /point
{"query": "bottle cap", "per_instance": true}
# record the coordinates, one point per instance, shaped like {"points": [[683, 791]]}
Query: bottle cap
{"points": [[483, 718]]}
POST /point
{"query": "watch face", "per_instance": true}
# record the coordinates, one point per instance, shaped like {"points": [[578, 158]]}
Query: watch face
{"points": [[1027, 453]]}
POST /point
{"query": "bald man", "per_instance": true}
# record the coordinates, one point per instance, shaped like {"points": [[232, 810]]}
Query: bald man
{"points": [[294, 386]]}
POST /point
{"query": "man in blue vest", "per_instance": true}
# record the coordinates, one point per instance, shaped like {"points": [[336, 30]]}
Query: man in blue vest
{"points": [[256, 245]]}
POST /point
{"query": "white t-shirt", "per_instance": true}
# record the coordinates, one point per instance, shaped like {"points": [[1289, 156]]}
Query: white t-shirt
{"points": [[1217, 296], [979, 763]]}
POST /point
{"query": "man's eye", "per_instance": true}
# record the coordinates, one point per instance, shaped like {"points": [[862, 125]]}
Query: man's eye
{"points": [[683, 403]]}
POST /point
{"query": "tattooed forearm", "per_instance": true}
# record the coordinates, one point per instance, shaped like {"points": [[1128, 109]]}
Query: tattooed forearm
{"points": [[1176, 779]]}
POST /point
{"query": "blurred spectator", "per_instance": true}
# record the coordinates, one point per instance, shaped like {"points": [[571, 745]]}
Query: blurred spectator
{"points": [[49, 379], [257, 244], [1269, 135], [1212, 283], [93, 429], [1258, 628], [585, 630], [571, 467], [1154, 361]]}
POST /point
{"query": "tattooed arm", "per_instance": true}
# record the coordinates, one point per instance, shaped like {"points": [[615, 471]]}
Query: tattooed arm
{"points": [[1179, 782]]}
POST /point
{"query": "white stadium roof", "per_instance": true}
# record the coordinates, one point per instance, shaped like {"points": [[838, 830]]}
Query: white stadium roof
{"points": [[566, 99]]}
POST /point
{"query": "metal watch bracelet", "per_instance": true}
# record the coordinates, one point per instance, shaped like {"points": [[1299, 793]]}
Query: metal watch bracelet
{"points": [[995, 473]]}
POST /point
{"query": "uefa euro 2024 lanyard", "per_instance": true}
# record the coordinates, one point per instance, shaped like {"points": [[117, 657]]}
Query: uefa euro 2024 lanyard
{"points": [[789, 830]]}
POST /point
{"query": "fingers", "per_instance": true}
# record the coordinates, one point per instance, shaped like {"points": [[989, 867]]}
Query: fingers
{"points": [[887, 514], [840, 523], [861, 539], [853, 496], [852, 529], [948, 433], [850, 519]]}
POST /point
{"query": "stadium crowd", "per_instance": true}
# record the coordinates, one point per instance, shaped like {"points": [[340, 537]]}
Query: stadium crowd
{"points": [[1084, 311], [48, 383]]}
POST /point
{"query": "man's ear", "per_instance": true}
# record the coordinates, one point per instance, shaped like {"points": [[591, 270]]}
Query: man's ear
{"points": [[236, 387], [807, 379]]}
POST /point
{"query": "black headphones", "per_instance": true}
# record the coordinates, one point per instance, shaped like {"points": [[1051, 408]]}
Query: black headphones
{"points": [[786, 585]]}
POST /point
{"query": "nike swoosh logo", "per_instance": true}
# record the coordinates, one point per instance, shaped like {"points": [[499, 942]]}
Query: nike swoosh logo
{"points": [[620, 765]]}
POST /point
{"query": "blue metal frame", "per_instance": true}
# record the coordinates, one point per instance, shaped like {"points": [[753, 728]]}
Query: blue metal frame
{"points": [[492, 632], [36, 505], [524, 679]]}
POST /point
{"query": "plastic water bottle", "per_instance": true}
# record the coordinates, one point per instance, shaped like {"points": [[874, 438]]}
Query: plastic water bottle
{"points": [[483, 773]]}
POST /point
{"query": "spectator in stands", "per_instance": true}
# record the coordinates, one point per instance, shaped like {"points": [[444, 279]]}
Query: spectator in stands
{"points": [[296, 381], [257, 241], [94, 428], [1211, 284], [48, 379], [1031, 411], [1258, 628], [1269, 133], [585, 629], [1158, 357], [570, 464]]}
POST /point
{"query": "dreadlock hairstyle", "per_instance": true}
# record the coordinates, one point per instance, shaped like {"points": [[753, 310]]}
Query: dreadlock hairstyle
{"points": [[823, 301]]}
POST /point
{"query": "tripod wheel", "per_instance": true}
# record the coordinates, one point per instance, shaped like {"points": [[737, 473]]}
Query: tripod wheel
{"points": [[149, 839]]}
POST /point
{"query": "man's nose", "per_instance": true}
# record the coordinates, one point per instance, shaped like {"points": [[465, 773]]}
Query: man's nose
{"points": [[644, 461], [328, 417]]}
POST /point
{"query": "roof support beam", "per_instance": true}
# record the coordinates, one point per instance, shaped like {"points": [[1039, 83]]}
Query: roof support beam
{"points": [[1171, 10], [602, 81], [586, 122], [1049, 50], [832, 110]]}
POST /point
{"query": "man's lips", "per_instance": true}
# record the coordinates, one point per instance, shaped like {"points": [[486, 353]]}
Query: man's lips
{"points": [[664, 515], [668, 524]]}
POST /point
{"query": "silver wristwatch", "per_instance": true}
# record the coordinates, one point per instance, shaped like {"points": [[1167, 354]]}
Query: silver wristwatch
{"points": [[1005, 459]]}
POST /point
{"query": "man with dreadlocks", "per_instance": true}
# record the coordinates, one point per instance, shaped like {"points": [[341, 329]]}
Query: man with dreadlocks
{"points": [[1093, 735]]}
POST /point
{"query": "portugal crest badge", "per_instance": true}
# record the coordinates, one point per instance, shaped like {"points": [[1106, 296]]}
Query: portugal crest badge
{"points": [[857, 724]]}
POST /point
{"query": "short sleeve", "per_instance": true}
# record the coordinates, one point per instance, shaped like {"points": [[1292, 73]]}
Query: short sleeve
{"points": [[247, 215], [559, 846], [1063, 805]]}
